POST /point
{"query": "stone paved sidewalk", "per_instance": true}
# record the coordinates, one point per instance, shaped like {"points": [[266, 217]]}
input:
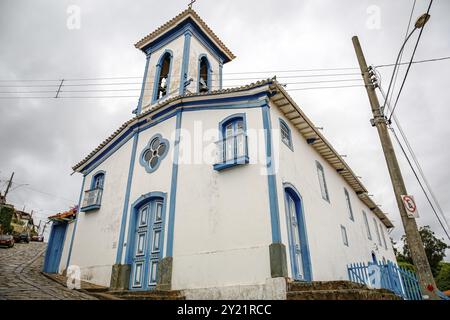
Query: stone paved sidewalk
{"points": [[21, 277]]}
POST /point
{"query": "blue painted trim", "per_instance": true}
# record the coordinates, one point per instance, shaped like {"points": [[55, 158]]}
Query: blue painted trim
{"points": [[290, 145], [349, 204], [145, 164], [232, 118], [158, 74], [187, 25], [220, 74], [271, 177], [209, 71], [55, 244], [290, 190], [213, 103], [144, 80], [173, 187], [234, 162], [127, 199], [135, 206], [344, 232], [185, 62], [95, 177], [90, 208], [327, 195], [76, 222], [157, 118]]}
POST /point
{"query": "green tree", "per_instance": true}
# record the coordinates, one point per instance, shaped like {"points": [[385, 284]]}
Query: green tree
{"points": [[434, 249], [6, 214], [443, 277]]}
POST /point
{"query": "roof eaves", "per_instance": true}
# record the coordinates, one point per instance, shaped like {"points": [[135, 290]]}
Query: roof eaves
{"points": [[349, 176], [179, 18]]}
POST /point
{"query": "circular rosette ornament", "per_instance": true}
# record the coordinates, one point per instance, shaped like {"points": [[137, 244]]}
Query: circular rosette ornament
{"points": [[154, 153]]}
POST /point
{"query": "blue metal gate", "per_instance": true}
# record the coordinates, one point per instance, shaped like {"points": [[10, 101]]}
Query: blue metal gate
{"points": [[388, 276], [55, 247]]}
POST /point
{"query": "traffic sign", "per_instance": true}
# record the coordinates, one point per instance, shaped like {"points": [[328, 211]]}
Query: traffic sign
{"points": [[410, 206]]}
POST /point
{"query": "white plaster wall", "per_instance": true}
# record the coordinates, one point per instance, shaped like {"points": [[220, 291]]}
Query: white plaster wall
{"points": [[329, 256], [222, 220], [176, 46], [195, 51], [65, 253], [95, 243], [159, 180]]}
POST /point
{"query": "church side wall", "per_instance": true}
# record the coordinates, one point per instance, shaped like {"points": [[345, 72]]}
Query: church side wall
{"points": [[323, 219], [222, 222], [95, 243]]}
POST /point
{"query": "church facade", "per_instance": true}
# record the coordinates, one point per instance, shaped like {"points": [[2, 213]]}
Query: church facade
{"points": [[213, 188]]}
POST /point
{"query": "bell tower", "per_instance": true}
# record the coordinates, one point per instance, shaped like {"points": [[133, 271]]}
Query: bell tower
{"points": [[183, 56]]}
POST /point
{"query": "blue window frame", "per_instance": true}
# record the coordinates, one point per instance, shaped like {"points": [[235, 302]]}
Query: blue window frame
{"points": [[204, 74], [322, 182], [366, 222], [93, 197], [383, 236], [285, 133], [232, 146], [161, 84], [344, 235], [349, 205], [377, 231]]}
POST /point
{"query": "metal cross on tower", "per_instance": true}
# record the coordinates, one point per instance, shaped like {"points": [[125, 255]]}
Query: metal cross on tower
{"points": [[191, 3]]}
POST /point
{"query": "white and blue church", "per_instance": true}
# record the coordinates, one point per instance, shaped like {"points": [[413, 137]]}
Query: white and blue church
{"points": [[214, 190]]}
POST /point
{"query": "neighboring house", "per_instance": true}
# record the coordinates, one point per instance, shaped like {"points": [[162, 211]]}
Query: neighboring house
{"points": [[158, 211], [62, 229]]}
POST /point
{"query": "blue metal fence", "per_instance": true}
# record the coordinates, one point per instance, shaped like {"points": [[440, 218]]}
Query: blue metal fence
{"points": [[388, 276]]}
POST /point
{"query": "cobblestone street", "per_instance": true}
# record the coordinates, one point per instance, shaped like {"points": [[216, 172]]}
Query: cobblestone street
{"points": [[21, 278]]}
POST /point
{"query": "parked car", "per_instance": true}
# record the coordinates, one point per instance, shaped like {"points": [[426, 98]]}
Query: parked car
{"points": [[6, 241], [37, 238], [24, 236]]}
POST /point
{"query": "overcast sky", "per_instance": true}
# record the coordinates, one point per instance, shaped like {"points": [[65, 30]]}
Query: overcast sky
{"points": [[40, 139]]}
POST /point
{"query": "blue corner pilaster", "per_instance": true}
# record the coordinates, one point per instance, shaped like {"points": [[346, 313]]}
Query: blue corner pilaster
{"points": [[173, 187], [185, 62], [69, 255], [271, 176], [144, 80], [220, 74], [127, 198]]}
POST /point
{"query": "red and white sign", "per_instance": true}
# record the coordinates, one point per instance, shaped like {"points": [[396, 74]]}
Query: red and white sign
{"points": [[410, 206]]}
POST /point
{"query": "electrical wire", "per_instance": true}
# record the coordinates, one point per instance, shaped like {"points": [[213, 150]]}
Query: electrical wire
{"points": [[406, 35], [409, 65], [419, 168]]}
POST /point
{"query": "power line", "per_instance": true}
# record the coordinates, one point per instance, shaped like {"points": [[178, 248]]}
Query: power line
{"points": [[396, 72], [225, 73], [138, 89], [410, 63], [422, 174], [414, 62], [420, 183]]}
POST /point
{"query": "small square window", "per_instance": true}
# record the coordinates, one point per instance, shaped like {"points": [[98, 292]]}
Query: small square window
{"points": [[285, 134], [344, 235]]}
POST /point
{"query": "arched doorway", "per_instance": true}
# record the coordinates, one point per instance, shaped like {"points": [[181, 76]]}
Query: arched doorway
{"points": [[298, 241]]}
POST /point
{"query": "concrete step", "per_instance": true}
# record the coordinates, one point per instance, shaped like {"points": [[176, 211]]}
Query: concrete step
{"points": [[323, 285], [148, 295], [343, 294]]}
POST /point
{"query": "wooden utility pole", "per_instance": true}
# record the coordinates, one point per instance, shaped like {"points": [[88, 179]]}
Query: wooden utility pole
{"points": [[418, 255], [3, 197]]}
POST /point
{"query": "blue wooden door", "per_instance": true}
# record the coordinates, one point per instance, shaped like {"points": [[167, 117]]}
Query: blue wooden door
{"points": [[295, 243], [147, 246], [55, 247], [298, 243]]}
